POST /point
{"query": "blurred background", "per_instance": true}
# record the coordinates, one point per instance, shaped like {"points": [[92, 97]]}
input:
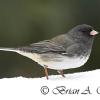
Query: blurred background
{"points": [[26, 21]]}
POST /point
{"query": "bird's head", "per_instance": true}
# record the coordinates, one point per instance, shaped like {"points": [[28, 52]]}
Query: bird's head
{"points": [[83, 32]]}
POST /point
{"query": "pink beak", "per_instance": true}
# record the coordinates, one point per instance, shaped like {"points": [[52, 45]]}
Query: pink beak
{"points": [[93, 32]]}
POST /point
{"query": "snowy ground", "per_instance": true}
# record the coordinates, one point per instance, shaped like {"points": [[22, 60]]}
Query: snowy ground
{"points": [[84, 85]]}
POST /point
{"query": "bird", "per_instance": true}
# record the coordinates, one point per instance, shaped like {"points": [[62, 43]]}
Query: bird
{"points": [[64, 51]]}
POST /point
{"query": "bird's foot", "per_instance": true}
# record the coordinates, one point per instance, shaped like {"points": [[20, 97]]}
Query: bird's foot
{"points": [[46, 71], [61, 73]]}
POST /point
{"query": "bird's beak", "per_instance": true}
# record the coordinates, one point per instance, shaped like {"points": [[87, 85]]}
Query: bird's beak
{"points": [[93, 32]]}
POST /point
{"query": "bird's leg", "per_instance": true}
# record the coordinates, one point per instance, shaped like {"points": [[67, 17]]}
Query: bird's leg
{"points": [[46, 72], [61, 73]]}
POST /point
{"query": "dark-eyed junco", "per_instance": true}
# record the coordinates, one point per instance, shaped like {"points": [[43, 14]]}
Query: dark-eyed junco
{"points": [[65, 51]]}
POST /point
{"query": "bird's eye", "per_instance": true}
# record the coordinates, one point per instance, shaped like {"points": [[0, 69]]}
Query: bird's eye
{"points": [[83, 31], [86, 30]]}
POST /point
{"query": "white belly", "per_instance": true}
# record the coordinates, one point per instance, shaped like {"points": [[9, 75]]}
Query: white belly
{"points": [[64, 63], [67, 63]]}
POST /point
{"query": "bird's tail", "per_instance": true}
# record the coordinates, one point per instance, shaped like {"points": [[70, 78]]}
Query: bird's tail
{"points": [[8, 49]]}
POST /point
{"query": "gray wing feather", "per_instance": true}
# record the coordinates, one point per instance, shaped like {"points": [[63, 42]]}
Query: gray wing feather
{"points": [[55, 45], [47, 46], [43, 47]]}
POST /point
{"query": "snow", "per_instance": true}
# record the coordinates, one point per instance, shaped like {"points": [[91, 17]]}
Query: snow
{"points": [[83, 85]]}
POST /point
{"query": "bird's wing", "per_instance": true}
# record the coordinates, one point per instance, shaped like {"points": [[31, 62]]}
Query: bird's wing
{"points": [[43, 47], [47, 46], [63, 46]]}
